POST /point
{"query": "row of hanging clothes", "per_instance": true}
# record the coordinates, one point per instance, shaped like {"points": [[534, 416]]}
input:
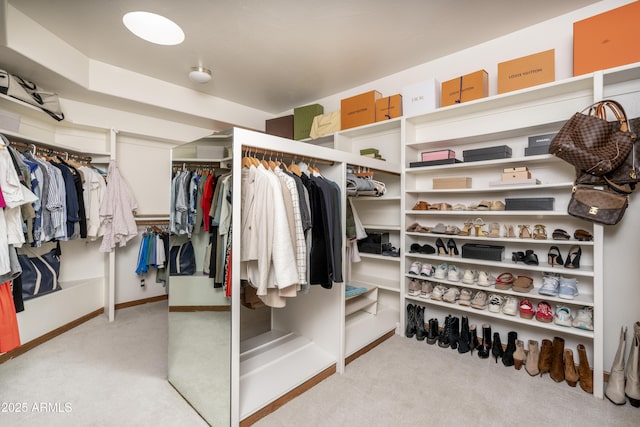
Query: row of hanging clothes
{"points": [[289, 212], [360, 182], [201, 196], [153, 252]]}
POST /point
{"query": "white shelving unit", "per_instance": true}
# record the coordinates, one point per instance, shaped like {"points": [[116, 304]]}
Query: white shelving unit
{"points": [[508, 119]]}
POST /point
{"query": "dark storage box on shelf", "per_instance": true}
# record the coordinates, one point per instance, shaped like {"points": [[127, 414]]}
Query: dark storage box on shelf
{"points": [[529, 204], [280, 126], [489, 153], [484, 252], [374, 243]]}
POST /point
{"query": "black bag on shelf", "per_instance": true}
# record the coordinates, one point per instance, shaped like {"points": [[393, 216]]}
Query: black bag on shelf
{"points": [[182, 260], [40, 273]]}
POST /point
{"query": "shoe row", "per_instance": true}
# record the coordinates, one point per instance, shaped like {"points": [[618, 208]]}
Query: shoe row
{"points": [[624, 381], [485, 205], [561, 315], [457, 334]]}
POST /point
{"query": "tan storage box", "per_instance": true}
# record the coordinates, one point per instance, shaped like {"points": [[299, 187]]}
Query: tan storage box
{"points": [[359, 110], [516, 175], [389, 107], [526, 71], [474, 86], [451, 183], [606, 40]]}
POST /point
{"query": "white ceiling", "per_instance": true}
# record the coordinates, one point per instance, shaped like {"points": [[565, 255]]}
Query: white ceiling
{"points": [[274, 55]]}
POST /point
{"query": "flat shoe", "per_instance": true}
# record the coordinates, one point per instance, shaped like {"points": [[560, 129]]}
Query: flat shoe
{"points": [[440, 228], [483, 206], [421, 206], [504, 281], [582, 235], [560, 234], [523, 284], [497, 205]]}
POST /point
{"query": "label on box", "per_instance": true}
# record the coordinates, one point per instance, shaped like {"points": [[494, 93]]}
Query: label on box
{"points": [[526, 71], [541, 140]]}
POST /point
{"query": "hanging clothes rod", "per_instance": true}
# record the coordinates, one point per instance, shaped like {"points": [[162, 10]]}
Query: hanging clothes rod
{"points": [[38, 149], [279, 154], [148, 222]]}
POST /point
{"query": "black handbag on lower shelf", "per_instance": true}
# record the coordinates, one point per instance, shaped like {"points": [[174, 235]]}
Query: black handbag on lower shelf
{"points": [[40, 273], [182, 260]]}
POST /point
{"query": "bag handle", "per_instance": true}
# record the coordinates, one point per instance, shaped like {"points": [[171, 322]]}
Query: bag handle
{"points": [[599, 110]]}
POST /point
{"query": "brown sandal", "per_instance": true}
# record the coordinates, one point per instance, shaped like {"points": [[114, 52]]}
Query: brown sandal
{"points": [[525, 233], [421, 206], [539, 232]]}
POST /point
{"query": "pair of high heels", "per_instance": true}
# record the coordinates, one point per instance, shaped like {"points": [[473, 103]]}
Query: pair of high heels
{"points": [[573, 257], [450, 249]]}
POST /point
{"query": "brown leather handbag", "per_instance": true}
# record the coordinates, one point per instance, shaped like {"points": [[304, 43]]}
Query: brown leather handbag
{"points": [[591, 143], [599, 206]]}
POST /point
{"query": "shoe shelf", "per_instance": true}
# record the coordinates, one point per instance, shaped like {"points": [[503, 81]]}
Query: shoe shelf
{"points": [[379, 227], [505, 265], [497, 188], [391, 285], [581, 300], [513, 319], [374, 199], [515, 240], [531, 214], [379, 257]]}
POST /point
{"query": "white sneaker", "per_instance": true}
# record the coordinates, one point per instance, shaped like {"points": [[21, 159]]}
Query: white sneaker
{"points": [[495, 303], [441, 271], [415, 268], [427, 270], [466, 295], [511, 306], [584, 319], [453, 274], [451, 295], [469, 276], [486, 279], [479, 300], [438, 292], [426, 289], [563, 316], [414, 288]]}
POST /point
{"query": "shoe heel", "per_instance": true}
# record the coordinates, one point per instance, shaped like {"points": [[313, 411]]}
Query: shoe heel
{"points": [[634, 402], [572, 383], [517, 364]]}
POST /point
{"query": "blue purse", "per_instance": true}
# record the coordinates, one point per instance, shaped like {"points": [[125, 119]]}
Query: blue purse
{"points": [[40, 273], [182, 260]]}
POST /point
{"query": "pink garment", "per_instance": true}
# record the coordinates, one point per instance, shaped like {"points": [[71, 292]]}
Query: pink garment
{"points": [[2, 202], [116, 211]]}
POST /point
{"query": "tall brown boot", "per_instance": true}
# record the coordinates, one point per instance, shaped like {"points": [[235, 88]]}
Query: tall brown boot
{"points": [[519, 355], [531, 364], [586, 376], [570, 372], [557, 364], [544, 361]]}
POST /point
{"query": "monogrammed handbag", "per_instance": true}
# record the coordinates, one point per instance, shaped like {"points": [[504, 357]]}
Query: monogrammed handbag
{"points": [[599, 206], [591, 143]]}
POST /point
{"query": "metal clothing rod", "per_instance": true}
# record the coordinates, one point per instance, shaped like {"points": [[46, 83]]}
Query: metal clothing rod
{"points": [[279, 154], [37, 149]]}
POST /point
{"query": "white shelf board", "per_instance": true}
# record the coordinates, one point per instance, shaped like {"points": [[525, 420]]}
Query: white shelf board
{"points": [[380, 282], [490, 213], [501, 188], [200, 160], [381, 227], [363, 328], [513, 319], [371, 128], [543, 158], [380, 257], [277, 368], [581, 300], [375, 199]]}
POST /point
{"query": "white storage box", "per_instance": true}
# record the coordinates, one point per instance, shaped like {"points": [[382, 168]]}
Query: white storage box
{"points": [[420, 98], [210, 152]]}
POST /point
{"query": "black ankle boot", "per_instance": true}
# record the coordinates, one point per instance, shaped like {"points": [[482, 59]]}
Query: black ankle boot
{"points": [[496, 349], [454, 332], [507, 357], [434, 332], [474, 343], [410, 329], [465, 336], [443, 340], [421, 332], [485, 348]]}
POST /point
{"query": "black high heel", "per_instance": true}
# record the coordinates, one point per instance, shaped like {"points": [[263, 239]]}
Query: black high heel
{"points": [[573, 258], [530, 258], [453, 248], [553, 257], [496, 349], [442, 250]]}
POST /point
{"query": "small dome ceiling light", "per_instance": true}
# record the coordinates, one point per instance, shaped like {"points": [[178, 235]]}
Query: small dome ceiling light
{"points": [[200, 74], [153, 28]]}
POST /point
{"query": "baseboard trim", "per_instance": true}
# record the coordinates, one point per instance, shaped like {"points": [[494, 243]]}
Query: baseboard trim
{"points": [[193, 308], [273, 406], [369, 347], [141, 301], [49, 335]]}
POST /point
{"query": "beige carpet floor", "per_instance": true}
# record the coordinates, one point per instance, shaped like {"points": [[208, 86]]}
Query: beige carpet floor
{"points": [[115, 374]]}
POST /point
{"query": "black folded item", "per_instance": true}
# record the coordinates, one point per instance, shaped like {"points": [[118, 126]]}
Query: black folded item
{"points": [[489, 153], [480, 251], [434, 163], [529, 204], [374, 243]]}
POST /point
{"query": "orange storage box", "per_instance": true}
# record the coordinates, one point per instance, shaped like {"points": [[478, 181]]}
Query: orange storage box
{"points": [[527, 71], [474, 85], [388, 107], [606, 40], [359, 110]]}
